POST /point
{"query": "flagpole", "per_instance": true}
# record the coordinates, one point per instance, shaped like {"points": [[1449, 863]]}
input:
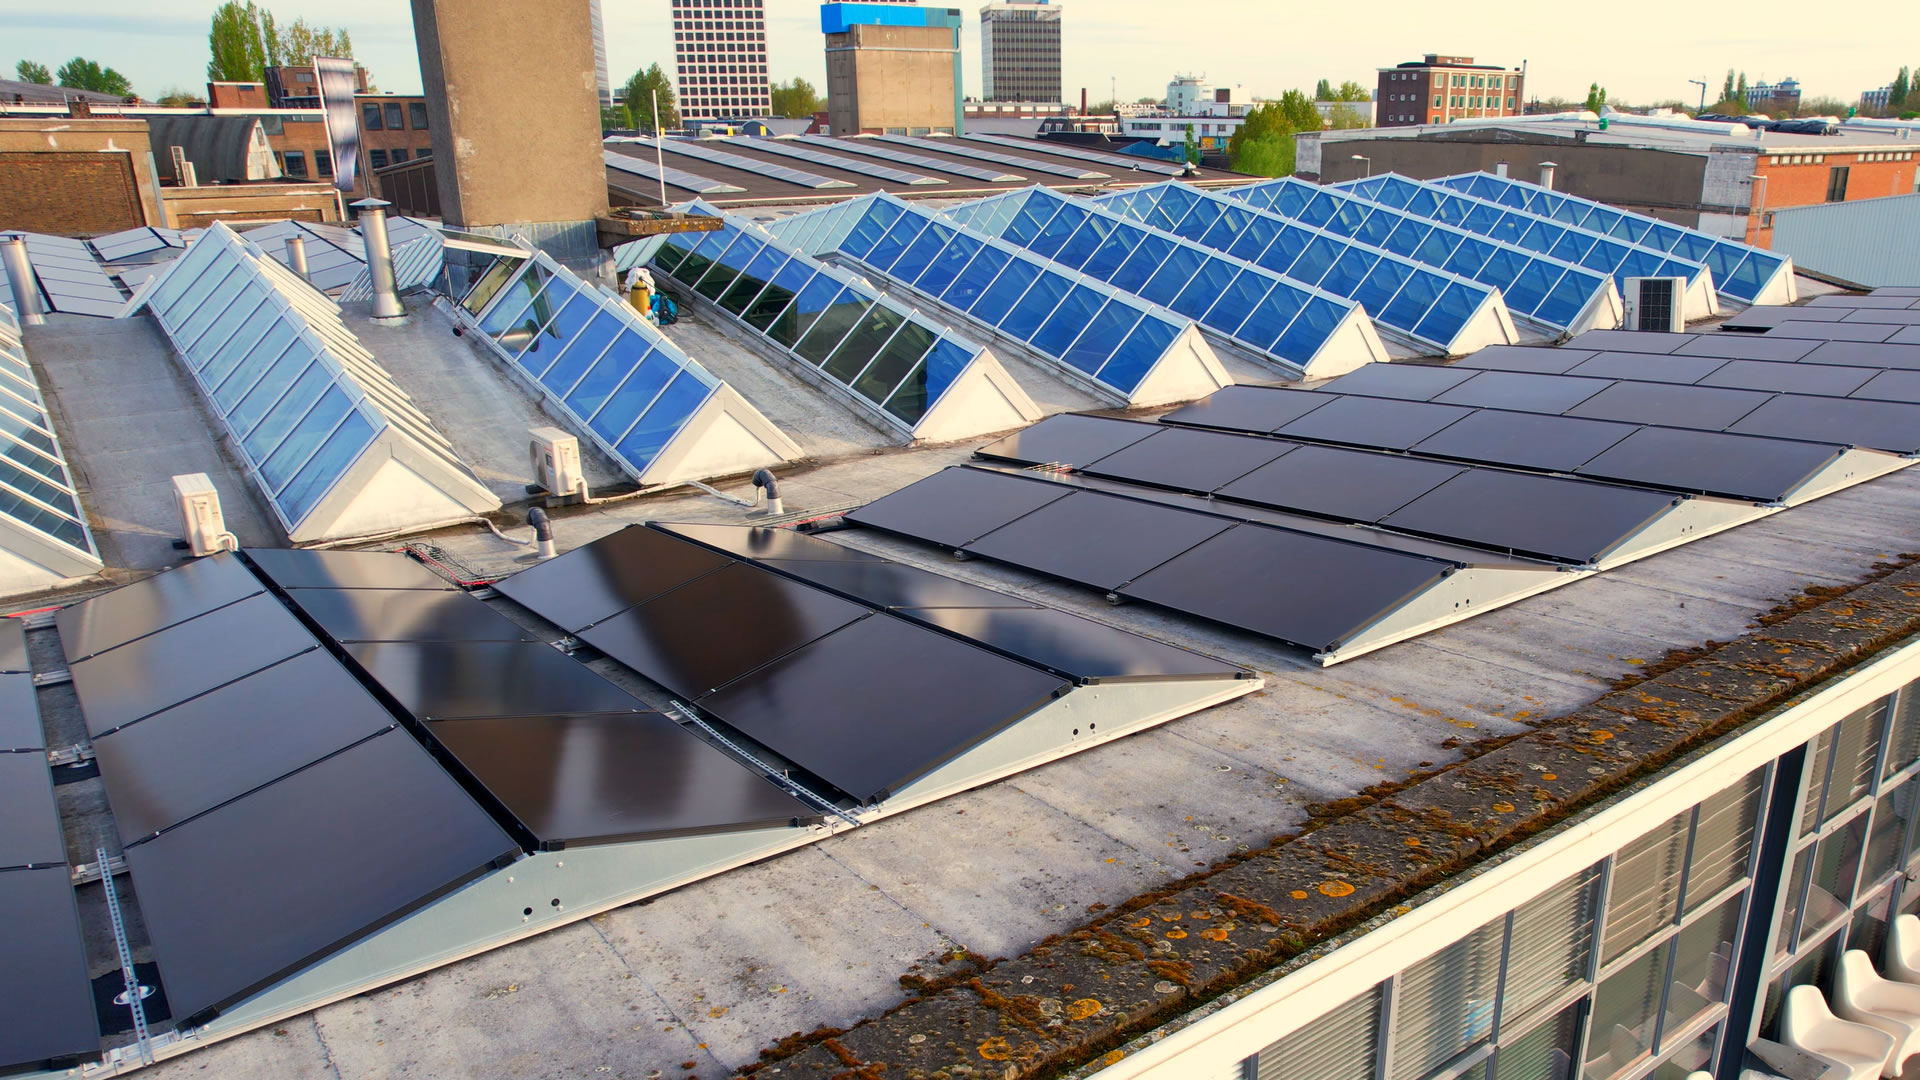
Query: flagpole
{"points": [[659, 154]]}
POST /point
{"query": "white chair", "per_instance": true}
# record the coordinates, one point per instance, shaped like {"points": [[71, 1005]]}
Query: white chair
{"points": [[1863, 997], [1807, 1024], [1903, 949]]}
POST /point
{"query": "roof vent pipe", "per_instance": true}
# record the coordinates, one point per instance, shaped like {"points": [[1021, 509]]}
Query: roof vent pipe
{"points": [[766, 489], [1546, 174], [297, 256], [26, 290], [1500, 169], [542, 532], [373, 229]]}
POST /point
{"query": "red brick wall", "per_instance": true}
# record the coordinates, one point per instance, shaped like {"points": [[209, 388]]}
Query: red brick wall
{"points": [[1801, 180], [82, 194]]}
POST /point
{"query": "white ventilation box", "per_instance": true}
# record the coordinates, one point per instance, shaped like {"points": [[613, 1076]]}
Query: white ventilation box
{"points": [[1656, 303], [203, 526], [555, 456]]}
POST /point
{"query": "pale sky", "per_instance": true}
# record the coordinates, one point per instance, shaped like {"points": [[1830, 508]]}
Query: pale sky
{"points": [[1259, 44]]}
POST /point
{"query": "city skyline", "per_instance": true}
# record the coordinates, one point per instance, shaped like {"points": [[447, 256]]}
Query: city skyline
{"points": [[1130, 39]]}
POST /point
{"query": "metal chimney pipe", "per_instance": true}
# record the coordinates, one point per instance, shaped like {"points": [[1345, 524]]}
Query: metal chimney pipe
{"points": [[297, 255], [1500, 169], [1546, 174], [26, 289], [373, 229]]}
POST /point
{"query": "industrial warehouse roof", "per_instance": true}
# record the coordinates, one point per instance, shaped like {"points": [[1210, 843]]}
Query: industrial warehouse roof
{"points": [[1679, 133], [844, 166]]}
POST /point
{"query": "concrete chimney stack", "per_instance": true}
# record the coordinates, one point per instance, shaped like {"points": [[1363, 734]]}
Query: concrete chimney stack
{"points": [[1547, 169]]}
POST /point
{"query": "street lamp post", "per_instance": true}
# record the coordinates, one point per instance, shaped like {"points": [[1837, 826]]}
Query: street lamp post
{"points": [[1368, 160], [1703, 93]]}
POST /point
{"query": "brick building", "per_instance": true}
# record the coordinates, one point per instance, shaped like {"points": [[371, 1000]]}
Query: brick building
{"points": [[1797, 176], [294, 86], [1440, 89], [893, 69], [393, 131]]}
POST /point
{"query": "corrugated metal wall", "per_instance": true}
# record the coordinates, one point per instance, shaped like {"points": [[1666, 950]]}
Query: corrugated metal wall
{"points": [[1871, 242]]}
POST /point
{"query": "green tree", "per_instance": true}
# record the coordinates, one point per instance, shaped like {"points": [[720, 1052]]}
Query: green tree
{"points": [[80, 73], [237, 46], [33, 73], [1726, 92], [639, 101], [1299, 112], [1192, 147], [300, 42], [1103, 108], [1266, 157], [1596, 97], [796, 100], [1729, 107], [1264, 144], [1345, 116], [1352, 91], [1901, 88], [1323, 91], [1740, 91]]}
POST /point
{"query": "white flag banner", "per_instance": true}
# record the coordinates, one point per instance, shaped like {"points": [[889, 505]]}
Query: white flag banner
{"points": [[337, 86]]}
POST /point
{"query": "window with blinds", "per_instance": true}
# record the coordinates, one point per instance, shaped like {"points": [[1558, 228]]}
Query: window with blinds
{"points": [[1341, 1045], [1444, 1004], [1816, 780], [1856, 748], [1625, 1011], [1552, 942], [1903, 742], [1702, 962], [1723, 840], [1836, 866], [1645, 891], [1885, 847], [1545, 1053]]}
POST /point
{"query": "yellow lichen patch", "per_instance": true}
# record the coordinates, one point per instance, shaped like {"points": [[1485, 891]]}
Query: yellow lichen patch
{"points": [[1176, 934], [717, 1012], [1413, 841], [1461, 723], [1636, 661], [1085, 1007], [1335, 888], [1549, 776], [1216, 933], [996, 1049], [1503, 808], [1602, 736], [1142, 921], [1171, 916], [1298, 894], [1201, 915], [1113, 1057]]}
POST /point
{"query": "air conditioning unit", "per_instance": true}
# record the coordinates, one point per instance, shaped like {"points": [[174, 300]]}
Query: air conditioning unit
{"points": [[555, 456], [1657, 304], [203, 526]]}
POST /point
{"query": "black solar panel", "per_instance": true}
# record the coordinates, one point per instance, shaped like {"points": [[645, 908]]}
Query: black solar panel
{"points": [[29, 827], [1098, 540], [1525, 440], [1246, 408], [750, 542], [719, 627], [406, 615], [1866, 354], [238, 898], [954, 507], [1522, 392], [455, 680], [1524, 358], [19, 714], [225, 743], [1352, 485], [163, 669], [1189, 460], [1067, 439], [344, 570], [1073, 646], [608, 576], [572, 780], [1409, 382], [155, 603], [1373, 422], [1712, 462], [1646, 341], [1877, 425], [1848, 300], [1834, 331], [1676, 406], [1533, 515], [13, 646], [1891, 386], [1649, 367], [45, 994], [1763, 317], [1882, 317], [1909, 336], [1832, 380], [1745, 347], [892, 585], [835, 708]]}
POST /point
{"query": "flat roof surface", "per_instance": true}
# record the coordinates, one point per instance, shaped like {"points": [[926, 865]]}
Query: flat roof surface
{"points": [[1623, 129]]}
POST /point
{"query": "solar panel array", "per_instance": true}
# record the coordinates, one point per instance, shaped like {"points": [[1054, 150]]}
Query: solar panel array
{"points": [[1043, 146], [957, 148], [700, 151], [1823, 369], [334, 256], [132, 243], [303, 400], [1431, 306], [787, 148], [887, 355], [679, 178], [1086, 327], [1886, 315], [37, 492], [1270, 315], [613, 374], [872, 147], [71, 280], [1550, 291]]}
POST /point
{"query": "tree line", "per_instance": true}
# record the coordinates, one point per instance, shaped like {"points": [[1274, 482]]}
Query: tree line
{"points": [[244, 40], [795, 100], [1265, 143], [78, 73]]}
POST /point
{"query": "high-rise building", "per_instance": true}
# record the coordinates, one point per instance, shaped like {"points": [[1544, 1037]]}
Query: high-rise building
{"points": [[1440, 89], [892, 69], [720, 58], [1020, 51], [600, 55]]}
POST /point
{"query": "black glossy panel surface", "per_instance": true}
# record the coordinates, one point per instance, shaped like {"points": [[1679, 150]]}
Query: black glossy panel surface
{"points": [[344, 570], [1534, 515], [1909, 336], [1711, 462], [1525, 358], [1067, 439], [1745, 346], [29, 827], [1070, 644], [1522, 392], [45, 996], [1526, 440], [223, 744], [154, 603], [1831, 380], [954, 507], [1246, 408], [1848, 300], [608, 576], [1241, 578], [406, 615], [13, 646], [1773, 315], [893, 585], [880, 703], [1351, 485], [1098, 540], [1882, 317], [621, 776], [1877, 425], [1189, 460], [488, 678], [749, 542], [1701, 408], [1650, 367], [718, 627], [1646, 341], [239, 897], [19, 714], [1865, 354], [1375, 422], [164, 669], [1891, 386], [1834, 331], [1408, 382]]}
